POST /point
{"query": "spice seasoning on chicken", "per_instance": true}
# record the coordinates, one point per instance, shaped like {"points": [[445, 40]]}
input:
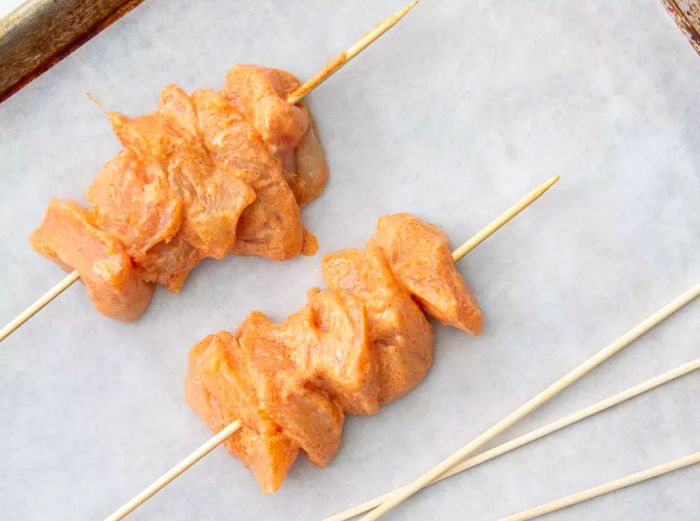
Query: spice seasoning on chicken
{"points": [[363, 342], [205, 175]]}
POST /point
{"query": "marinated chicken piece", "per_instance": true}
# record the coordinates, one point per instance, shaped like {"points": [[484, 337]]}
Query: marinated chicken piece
{"points": [[306, 414], [362, 343], [420, 260], [210, 174], [213, 198], [328, 342], [260, 94], [398, 330], [177, 104], [169, 264], [219, 389], [271, 226], [69, 235], [132, 199], [309, 175]]}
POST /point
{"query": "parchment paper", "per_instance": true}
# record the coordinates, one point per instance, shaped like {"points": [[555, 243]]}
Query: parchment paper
{"points": [[456, 113]]}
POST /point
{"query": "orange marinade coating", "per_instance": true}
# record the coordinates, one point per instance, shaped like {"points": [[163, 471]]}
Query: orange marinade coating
{"points": [[287, 130], [213, 196], [306, 414], [260, 93], [204, 176], [271, 226], [69, 236], [170, 263], [420, 259], [329, 344], [309, 174], [133, 200], [250, 377], [219, 389], [399, 333], [362, 343]]}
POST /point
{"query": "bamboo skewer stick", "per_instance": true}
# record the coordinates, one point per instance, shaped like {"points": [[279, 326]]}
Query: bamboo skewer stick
{"points": [[39, 304], [174, 472], [538, 434], [293, 99], [502, 219], [347, 55], [606, 488], [458, 254], [534, 403]]}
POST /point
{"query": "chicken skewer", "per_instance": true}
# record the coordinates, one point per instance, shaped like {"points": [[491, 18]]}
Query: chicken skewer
{"points": [[293, 98], [611, 486], [235, 425], [534, 403], [537, 434]]}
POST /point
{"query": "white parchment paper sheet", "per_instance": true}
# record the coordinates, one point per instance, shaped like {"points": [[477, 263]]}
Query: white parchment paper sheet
{"points": [[453, 115]]}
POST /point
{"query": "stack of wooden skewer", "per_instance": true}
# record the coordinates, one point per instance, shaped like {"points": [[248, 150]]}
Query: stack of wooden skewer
{"points": [[467, 457]]}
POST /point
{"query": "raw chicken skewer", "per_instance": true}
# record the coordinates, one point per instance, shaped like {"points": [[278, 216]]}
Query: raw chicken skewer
{"points": [[611, 486], [533, 404], [293, 98], [538, 434], [234, 426]]}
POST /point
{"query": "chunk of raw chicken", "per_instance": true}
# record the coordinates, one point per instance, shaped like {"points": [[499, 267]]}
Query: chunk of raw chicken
{"points": [[260, 95], [306, 414], [213, 198], [219, 389], [309, 174], [133, 200], [328, 342], [271, 226], [398, 330], [70, 236], [420, 259], [170, 263]]}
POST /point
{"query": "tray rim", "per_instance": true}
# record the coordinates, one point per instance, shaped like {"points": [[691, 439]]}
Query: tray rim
{"points": [[40, 33]]}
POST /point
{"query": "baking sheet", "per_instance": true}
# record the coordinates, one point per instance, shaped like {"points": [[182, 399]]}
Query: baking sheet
{"points": [[453, 115], [39, 33], [686, 13]]}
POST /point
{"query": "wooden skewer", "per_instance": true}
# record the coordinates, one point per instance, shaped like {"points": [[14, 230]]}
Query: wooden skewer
{"points": [[534, 403], [293, 98], [174, 472], [537, 434], [347, 55], [474, 241], [38, 304], [612, 486], [502, 219]]}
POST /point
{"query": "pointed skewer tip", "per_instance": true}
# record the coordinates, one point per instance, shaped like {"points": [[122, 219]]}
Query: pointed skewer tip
{"points": [[546, 185], [401, 13], [344, 57], [552, 181]]}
